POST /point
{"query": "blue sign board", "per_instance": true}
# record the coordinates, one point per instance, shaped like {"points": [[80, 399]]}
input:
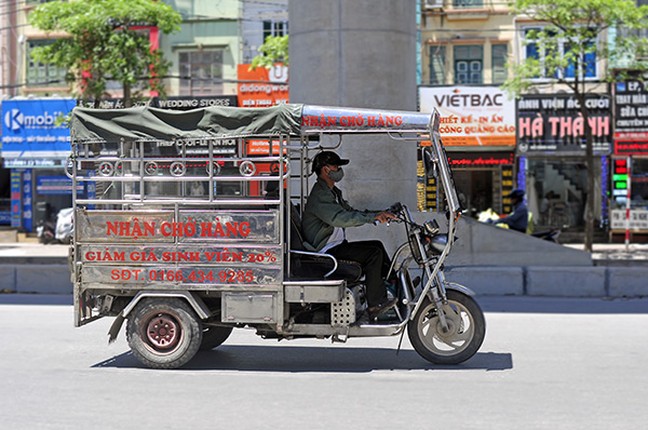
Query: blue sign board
{"points": [[30, 134], [28, 202], [61, 185], [16, 198]]}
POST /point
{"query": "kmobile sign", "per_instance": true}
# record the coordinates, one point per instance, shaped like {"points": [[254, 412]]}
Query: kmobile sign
{"points": [[472, 116], [262, 87], [30, 134]]}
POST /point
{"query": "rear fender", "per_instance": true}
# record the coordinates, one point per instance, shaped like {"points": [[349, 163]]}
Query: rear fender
{"points": [[194, 301]]}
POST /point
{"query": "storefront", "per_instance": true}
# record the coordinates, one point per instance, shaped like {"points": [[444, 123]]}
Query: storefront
{"points": [[629, 163], [551, 156], [35, 145], [478, 132]]}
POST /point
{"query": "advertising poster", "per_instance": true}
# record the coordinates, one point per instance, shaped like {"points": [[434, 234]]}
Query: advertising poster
{"points": [[262, 87], [630, 118], [32, 135], [472, 116], [552, 123], [638, 219]]}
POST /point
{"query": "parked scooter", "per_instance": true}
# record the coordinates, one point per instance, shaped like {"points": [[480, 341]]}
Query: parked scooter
{"points": [[45, 232], [551, 235], [49, 232], [64, 225]]}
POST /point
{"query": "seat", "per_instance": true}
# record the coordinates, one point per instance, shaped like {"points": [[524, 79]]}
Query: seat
{"points": [[307, 264]]}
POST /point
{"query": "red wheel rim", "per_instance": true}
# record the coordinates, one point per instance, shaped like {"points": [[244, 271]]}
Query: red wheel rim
{"points": [[163, 332]]}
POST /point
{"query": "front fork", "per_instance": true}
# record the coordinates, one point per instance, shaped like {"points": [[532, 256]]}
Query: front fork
{"points": [[435, 289]]}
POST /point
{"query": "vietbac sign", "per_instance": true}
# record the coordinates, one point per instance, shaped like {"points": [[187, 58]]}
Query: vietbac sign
{"points": [[472, 116]]}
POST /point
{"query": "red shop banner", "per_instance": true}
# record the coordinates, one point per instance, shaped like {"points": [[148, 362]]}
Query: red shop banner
{"points": [[262, 87]]}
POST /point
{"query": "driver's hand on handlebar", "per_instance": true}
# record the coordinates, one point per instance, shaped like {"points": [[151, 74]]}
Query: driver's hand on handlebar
{"points": [[383, 217]]}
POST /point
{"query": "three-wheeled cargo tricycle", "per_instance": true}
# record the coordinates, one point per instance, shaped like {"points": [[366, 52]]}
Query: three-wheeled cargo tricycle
{"points": [[190, 228]]}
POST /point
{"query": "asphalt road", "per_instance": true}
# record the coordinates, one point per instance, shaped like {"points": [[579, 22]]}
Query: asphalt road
{"points": [[545, 364]]}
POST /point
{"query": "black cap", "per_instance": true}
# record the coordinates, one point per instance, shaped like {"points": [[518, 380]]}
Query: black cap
{"points": [[327, 158], [517, 194]]}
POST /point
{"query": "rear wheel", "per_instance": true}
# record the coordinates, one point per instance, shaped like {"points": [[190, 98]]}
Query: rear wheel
{"points": [[464, 336], [163, 333], [213, 337]]}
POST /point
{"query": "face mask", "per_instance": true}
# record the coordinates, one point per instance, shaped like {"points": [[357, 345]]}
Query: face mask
{"points": [[336, 176]]}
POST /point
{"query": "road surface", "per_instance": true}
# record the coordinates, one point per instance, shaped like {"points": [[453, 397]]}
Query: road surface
{"points": [[545, 364]]}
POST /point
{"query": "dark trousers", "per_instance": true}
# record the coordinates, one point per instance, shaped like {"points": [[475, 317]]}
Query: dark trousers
{"points": [[375, 264]]}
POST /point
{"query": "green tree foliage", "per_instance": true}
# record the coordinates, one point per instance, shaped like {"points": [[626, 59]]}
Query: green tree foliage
{"points": [[103, 43], [274, 50], [568, 33]]}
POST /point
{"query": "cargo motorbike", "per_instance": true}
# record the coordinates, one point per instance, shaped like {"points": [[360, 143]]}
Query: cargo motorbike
{"points": [[194, 230]]}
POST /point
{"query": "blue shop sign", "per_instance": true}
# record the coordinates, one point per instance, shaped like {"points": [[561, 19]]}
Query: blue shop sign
{"points": [[55, 185], [30, 136]]}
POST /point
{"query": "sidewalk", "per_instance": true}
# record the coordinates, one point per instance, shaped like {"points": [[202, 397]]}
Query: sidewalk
{"points": [[615, 253], [36, 268], [32, 250]]}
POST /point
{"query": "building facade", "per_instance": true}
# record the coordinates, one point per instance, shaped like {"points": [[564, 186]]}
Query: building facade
{"points": [[468, 46], [214, 39]]}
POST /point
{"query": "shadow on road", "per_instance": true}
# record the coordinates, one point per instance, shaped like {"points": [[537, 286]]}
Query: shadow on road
{"points": [[315, 359]]}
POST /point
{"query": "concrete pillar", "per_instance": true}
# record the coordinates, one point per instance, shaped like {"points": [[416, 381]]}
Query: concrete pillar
{"points": [[360, 53]]}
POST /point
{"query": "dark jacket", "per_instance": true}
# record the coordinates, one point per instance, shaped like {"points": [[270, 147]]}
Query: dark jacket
{"points": [[326, 209], [518, 220]]}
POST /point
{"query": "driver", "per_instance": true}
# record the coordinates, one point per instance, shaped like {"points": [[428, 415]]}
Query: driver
{"points": [[327, 214]]}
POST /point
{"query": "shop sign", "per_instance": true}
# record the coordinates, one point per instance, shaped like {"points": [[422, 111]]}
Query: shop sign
{"points": [[31, 131], [27, 200], [28, 163], [55, 185], [16, 198], [481, 159], [175, 103], [472, 116], [187, 103], [638, 219], [262, 87], [553, 123], [630, 118]]}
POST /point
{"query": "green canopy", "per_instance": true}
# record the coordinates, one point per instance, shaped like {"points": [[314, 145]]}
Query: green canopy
{"points": [[144, 123]]}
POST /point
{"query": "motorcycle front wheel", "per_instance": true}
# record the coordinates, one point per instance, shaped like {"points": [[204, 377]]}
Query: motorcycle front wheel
{"points": [[462, 339]]}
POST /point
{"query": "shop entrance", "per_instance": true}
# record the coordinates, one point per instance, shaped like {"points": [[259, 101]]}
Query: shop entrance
{"points": [[556, 193], [478, 190]]}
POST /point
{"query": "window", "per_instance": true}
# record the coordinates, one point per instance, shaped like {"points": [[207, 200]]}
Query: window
{"points": [[437, 65], [467, 3], [468, 64], [201, 72], [274, 28], [498, 62], [43, 75], [561, 48]]}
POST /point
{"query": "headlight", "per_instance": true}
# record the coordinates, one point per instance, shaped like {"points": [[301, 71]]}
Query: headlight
{"points": [[439, 242]]}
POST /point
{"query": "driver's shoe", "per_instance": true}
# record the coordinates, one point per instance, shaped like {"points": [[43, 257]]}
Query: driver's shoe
{"points": [[382, 307]]}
